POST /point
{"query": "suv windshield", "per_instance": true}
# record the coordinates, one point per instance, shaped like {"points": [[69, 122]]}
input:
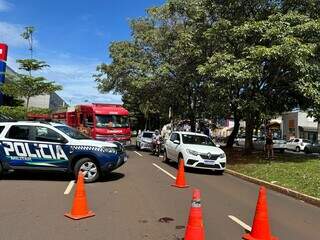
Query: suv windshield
{"points": [[147, 135], [71, 132], [195, 139], [112, 121]]}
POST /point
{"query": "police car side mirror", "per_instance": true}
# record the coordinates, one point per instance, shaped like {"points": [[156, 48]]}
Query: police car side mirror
{"points": [[62, 140]]}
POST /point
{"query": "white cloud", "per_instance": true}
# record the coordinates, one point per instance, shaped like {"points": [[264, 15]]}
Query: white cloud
{"points": [[77, 81], [5, 5], [11, 34]]}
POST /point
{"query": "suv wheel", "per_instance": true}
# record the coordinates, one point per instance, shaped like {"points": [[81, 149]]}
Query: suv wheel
{"points": [[297, 149], [89, 168]]}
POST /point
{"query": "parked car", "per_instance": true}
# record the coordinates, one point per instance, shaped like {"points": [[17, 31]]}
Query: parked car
{"points": [[240, 140], [278, 144], [312, 148], [298, 144], [144, 140], [197, 151]]}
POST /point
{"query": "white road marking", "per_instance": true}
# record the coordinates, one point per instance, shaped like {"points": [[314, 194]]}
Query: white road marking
{"points": [[242, 224], [138, 153], [169, 174], [69, 187]]}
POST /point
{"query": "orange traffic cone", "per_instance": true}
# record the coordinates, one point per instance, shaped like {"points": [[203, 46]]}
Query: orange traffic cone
{"points": [[80, 209], [260, 229], [195, 228], [180, 180]]}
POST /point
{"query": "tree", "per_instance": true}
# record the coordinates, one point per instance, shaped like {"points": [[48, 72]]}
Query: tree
{"points": [[24, 86], [27, 86], [161, 60], [28, 35], [30, 65], [263, 61], [250, 59]]}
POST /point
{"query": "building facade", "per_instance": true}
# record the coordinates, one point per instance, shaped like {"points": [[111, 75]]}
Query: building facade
{"points": [[298, 124]]}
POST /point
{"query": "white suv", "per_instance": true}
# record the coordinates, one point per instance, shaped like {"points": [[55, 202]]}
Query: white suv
{"points": [[197, 151]]}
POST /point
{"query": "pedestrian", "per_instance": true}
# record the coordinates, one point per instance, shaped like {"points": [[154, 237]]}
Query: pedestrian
{"points": [[269, 145], [206, 131]]}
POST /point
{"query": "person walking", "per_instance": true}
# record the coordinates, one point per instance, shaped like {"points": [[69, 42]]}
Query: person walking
{"points": [[269, 145]]}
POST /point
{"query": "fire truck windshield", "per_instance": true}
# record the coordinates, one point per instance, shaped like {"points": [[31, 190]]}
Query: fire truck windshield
{"points": [[71, 132], [112, 121]]}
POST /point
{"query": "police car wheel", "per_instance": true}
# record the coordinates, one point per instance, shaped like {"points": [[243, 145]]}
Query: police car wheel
{"points": [[89, 168]]}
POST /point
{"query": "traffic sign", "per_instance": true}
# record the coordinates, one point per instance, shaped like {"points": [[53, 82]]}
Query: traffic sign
{"points": [[3, 51]]}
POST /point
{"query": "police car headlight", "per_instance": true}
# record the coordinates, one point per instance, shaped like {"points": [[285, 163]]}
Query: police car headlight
{"points": [[222, 155], [192, 152], [109, 150]]}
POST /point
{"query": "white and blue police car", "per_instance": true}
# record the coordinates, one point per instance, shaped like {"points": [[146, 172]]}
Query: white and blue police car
{"points": [[28, 145]]}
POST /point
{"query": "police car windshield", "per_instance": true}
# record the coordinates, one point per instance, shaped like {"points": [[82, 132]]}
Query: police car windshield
{"points": [[197, 140], [112, 121], [71, 132]]}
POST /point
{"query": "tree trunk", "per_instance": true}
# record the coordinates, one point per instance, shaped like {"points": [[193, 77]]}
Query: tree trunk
{"points": [[27, 107], [318, 137], [145, 123], [249, 133], [234, 132]]}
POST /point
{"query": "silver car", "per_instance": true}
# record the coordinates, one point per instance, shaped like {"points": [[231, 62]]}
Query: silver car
{"points": [[144, 140]]}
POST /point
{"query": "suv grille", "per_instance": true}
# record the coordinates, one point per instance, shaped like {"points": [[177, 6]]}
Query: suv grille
{"points": [[209, 156], [208, 165]]}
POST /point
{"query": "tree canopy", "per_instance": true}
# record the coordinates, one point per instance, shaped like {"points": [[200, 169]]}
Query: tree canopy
{"points": [[251, 59]]}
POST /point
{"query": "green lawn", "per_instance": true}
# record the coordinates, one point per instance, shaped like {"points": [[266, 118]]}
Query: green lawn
{"points": [[297, 172]]}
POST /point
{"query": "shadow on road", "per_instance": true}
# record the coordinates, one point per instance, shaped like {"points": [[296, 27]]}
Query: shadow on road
{"points": [[37, 176], [54, 176], [193, 170], [113, 176]]}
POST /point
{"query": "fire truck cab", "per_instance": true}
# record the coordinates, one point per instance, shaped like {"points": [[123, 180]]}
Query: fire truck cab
{"points": [[106, 122]]}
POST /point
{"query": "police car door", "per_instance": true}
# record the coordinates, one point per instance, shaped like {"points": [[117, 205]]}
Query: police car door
{"points": [[14, 146], [34, 146], [50, 147]]}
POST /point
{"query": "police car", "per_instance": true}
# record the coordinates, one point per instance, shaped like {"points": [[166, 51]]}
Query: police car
{"points": [[55, 146]]}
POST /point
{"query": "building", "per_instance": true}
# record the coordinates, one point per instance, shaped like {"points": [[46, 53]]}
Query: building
{"points": [[51, 101], [298, 124]]}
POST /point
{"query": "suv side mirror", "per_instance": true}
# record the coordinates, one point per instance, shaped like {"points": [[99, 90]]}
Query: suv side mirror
{"points": [[176, 142]]}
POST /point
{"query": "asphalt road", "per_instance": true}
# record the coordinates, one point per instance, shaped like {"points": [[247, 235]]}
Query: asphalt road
{"points": [[136, 202]]}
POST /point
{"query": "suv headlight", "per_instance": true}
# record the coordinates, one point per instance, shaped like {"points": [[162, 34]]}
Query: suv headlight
{"points": [[192, 152], [222, 155], [109, 150]]}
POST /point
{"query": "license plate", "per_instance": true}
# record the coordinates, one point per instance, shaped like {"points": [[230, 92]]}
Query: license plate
{"points": [[209, 162]]}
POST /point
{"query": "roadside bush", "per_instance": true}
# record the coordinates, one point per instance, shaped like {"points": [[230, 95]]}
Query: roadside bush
{"points": [[17, 113]]}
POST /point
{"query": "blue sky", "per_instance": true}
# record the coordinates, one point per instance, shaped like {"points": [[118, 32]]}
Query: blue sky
{"points": [[72, 36]]}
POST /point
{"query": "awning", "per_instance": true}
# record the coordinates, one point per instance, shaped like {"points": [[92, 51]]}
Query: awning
{"points": [[308, 129]]}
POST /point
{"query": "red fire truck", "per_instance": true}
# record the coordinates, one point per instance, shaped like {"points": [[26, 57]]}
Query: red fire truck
{"points": [[106, 122]]}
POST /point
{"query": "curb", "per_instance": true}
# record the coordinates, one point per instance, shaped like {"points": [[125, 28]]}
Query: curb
{"points": [[297, 195]]}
